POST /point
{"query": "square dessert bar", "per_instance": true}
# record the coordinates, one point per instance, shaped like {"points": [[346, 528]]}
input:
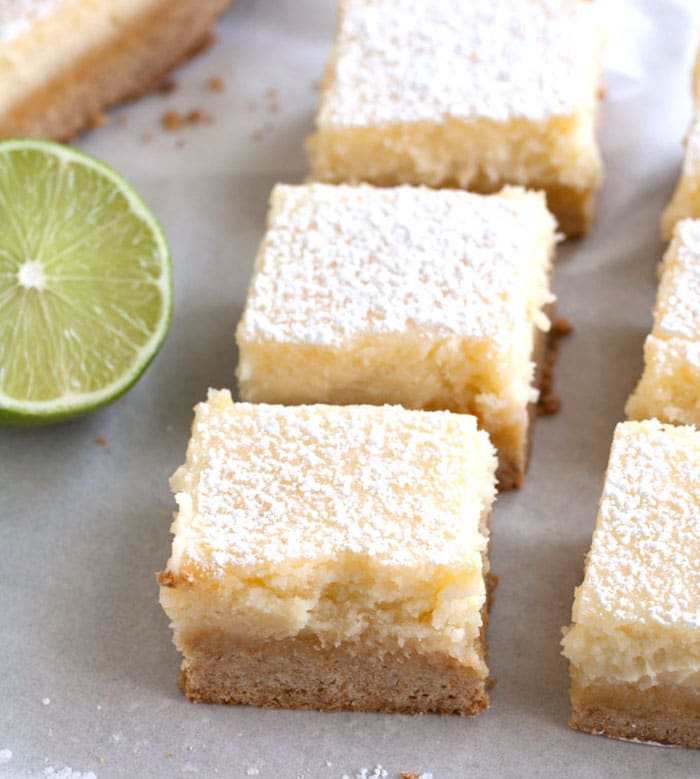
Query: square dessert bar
{"points": [[331, 557], [470, 95], [685, 202], [634, 646], [432, 299], [670, 385]]}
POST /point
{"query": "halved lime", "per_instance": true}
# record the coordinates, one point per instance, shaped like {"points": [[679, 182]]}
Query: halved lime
{"points": [[85, 283]]}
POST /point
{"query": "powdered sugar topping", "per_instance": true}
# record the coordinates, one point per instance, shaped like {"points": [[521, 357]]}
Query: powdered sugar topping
{"points": [[408, 61], [266, 484], [340, 262], [678, 303], [17, 16], [644, 563]]}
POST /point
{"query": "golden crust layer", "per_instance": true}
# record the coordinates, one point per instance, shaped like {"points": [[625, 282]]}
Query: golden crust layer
{"points": [[664, 714], [132, 64], [297, 673]]}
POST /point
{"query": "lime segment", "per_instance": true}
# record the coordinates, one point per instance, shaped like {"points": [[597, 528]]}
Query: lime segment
{"points": [[85, 283]]}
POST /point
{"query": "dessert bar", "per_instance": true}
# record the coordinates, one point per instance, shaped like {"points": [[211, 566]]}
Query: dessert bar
{"points": [[470, 95], [332, 557], [670, 385], [634, 646], [432, 299]]}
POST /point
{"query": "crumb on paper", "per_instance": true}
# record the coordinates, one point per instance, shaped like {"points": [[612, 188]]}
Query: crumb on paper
{"points": [[169, 755], [602, 92], [260, 134], [100, 441], [198, 116], [5, 755], [46, 701], [215, 84], [490, 684], [101, 759], [172, 120], [405, 775], [98, 120], [253, 769], [271, 96], [167, 86]]}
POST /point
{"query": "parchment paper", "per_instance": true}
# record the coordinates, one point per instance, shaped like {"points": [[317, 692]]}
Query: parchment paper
{"points": [[87, 669]]}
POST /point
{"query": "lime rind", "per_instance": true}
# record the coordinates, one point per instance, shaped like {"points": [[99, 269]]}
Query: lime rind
{"points": [[70, 404]]}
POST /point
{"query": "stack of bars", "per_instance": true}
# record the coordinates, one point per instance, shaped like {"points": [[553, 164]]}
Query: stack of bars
{"points": [[634, 645], [330, 547]]}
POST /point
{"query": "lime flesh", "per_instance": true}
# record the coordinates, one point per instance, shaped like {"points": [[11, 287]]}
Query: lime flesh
{"points": [[85, 283]]}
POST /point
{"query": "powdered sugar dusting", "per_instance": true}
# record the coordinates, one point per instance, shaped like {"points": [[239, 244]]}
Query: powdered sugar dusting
{"points": [[678, 302], [644, 563], [339, 262], [68, 773], [265, 484], [17, 16], [378, 772], [408, 60]]}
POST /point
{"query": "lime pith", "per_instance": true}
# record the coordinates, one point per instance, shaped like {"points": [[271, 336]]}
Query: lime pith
{"points": [[85, 283]]}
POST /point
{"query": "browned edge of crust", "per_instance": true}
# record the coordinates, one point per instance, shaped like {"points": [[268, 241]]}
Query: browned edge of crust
{"points": [[135, 63], [297, 673], [656, 725], [286, 674], [662, 713], [549, 402]]}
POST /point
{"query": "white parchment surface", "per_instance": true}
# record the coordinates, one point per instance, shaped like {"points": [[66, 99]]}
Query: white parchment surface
{"points": [[87, 669]]}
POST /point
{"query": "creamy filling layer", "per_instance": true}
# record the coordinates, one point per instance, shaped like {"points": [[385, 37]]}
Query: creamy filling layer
{"points": [[645, 658], [40, 42], [429, 609]]}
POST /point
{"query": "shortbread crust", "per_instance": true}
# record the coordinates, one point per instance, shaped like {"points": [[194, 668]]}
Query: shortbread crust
{"points": [[314, 538]]}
